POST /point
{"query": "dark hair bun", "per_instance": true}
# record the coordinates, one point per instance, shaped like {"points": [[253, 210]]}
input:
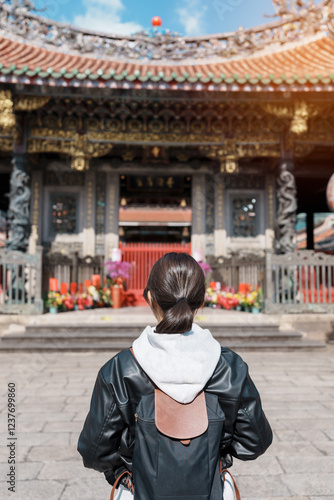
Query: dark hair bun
{"points": [[177, 286]]}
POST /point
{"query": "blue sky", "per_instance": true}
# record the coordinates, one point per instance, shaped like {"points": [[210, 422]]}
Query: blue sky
{"points": [[187, 17]]}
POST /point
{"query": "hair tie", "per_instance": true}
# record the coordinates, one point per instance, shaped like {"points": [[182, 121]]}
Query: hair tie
{"points": [[182, 298]]}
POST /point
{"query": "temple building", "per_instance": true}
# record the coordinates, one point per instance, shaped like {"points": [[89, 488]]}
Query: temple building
{"points": [[218, 141]]}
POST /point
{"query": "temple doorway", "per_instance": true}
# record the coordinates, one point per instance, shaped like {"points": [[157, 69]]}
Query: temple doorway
{"points": [[155, 209], [155, 217]]}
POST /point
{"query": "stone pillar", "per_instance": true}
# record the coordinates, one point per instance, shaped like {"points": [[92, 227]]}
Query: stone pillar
{"points": [[89, 227], [112, 209], [198, 237], [270, 211], [286, 209], [19, 204], [220, 226], [36, 210]]}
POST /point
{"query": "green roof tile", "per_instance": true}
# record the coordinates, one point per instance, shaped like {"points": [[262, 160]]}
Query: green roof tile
{"points": [[278, 81], [93, 76], [266, 81]]}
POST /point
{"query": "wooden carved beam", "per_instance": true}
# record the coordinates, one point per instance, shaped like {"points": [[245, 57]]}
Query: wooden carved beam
{"points": [[30, 103], [73, 144]]}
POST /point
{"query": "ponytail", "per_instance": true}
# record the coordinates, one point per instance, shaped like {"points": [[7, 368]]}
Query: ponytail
{"points": [[177, 286]]}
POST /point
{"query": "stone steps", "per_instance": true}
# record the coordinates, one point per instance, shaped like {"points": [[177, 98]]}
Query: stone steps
{"points": [[136, 329], [97, 337]]}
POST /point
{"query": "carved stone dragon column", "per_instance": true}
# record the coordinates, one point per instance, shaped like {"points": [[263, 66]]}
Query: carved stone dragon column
{"points": [[287, 210], [19, 204]]}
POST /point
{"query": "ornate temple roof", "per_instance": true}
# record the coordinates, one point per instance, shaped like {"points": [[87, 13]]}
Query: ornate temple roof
{"points": [[296, 51]]}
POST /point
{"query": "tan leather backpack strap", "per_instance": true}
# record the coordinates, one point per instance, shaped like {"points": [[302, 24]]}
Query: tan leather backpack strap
{"points": [[236, 489], [117, 482]]}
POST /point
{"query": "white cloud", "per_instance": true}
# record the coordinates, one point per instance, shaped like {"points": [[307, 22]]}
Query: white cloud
{"points": [[192, 17], [105, 15]]}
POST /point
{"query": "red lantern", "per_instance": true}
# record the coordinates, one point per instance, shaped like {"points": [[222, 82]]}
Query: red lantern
{"points": [[330, 194], [156, 21]]}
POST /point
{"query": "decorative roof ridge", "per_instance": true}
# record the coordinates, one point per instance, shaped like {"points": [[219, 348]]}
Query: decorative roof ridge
{"points": [[25, 26], [268, 50]]}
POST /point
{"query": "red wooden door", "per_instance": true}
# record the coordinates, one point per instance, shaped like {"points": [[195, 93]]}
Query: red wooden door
{"points": [[142, 256]]}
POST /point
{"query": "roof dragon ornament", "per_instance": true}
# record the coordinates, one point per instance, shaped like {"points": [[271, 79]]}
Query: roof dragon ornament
{"points": [[285, 8]]}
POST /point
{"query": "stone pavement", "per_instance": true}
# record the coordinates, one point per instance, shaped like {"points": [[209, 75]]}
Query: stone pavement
{"points": [[53, 394]]}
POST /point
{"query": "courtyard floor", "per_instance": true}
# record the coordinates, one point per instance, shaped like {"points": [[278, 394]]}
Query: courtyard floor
{"points": [[53, 393]]}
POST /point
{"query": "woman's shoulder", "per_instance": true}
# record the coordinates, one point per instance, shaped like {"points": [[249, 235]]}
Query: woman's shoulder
{"points": [[121, 363], [229, 375]]}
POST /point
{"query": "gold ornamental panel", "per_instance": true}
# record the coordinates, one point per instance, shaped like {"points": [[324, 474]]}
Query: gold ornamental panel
{"points": [[7, 117], [30, 103]]}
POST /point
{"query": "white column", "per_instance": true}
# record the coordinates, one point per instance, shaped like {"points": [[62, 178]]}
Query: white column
{"points": [[220, 225], [90, 203], [112, 209], [198, 236]]}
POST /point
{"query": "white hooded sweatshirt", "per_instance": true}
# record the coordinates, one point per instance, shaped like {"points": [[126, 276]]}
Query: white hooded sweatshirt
{"points": [[180, 364]]}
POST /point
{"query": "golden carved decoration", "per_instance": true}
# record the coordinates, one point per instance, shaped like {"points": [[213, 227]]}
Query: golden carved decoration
{"points": [[299, 114], [230, 150], [6, 144], [30, 103], [128, 156], [230, 165], [301, 150], [51, 133], [78, 147], [7, 117], [182, 157], [299, 122]]}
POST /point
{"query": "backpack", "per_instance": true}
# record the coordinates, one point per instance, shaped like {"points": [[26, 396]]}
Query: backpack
{"points": [[177, 448]]}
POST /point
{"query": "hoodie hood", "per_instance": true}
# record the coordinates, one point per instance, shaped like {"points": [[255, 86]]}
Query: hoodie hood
{"points": [[180, 364]]}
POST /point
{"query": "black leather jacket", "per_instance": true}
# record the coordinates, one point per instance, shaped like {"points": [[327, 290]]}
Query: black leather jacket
{"points": [[107, 439]]}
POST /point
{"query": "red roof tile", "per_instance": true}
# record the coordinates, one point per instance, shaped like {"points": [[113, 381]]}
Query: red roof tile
{"points": [[310, 59]]}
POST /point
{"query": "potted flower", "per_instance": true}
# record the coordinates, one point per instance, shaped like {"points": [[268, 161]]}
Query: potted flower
{"points": [[53, 301], [117, 273]]}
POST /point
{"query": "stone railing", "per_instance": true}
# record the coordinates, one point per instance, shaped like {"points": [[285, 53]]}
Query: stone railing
{"points": [[20, 282], [300, 282]]}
